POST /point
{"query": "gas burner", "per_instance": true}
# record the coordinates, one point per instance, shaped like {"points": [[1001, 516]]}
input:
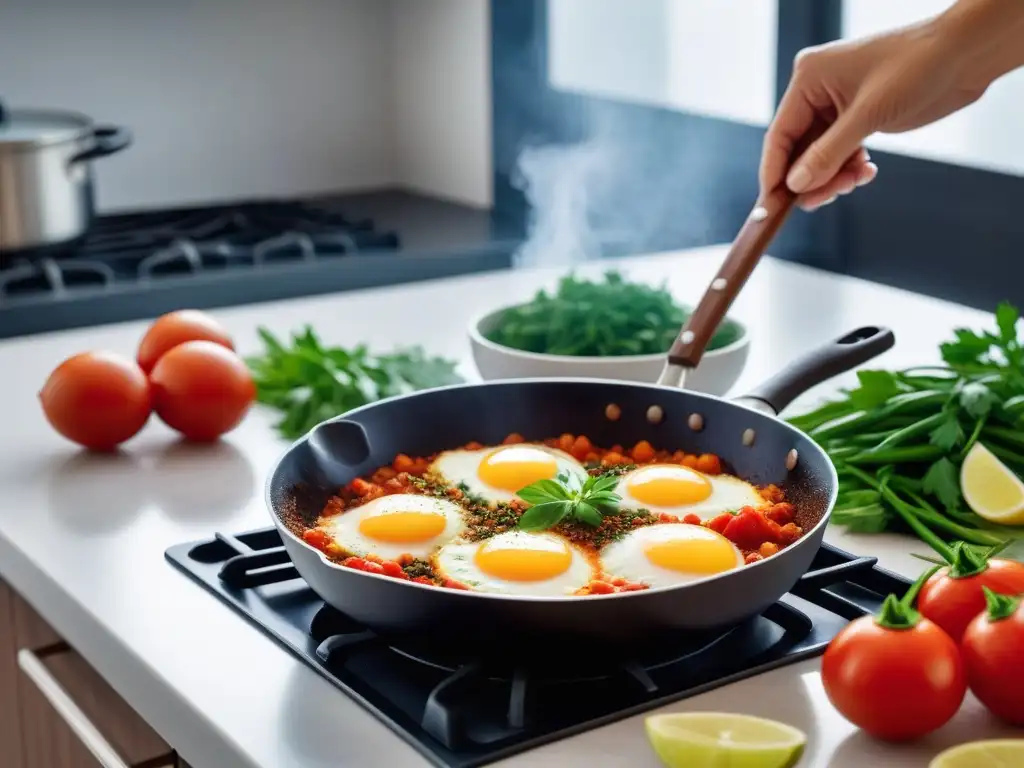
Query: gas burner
{"points": [[462, 711]]}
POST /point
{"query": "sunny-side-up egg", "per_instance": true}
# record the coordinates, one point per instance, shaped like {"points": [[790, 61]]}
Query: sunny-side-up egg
{"points": [[668, 554], [399, 524], [679, 490], [496, 474], [518, 563]]}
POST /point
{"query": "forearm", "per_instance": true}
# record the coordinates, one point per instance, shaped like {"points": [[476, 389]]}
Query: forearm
{"points": [[986, 35]]}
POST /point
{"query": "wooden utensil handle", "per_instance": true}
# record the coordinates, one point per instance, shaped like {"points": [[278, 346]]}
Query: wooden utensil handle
{"points": [[755, 235], [757, 232]]}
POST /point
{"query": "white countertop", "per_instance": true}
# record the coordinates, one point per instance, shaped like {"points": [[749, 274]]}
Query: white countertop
{"points": [[82, 537]]}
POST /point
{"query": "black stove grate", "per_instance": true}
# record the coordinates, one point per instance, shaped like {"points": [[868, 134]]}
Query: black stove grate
{"points": [[469, 712], [141, 264]]}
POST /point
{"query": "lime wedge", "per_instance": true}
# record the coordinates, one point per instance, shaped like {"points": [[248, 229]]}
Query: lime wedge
{"points": [[991, 488], [719, 739], [996, 753]]}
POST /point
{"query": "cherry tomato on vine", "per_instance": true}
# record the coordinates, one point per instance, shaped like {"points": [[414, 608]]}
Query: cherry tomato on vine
{"points": [[896, 676], [955, 595], [993, 654]]}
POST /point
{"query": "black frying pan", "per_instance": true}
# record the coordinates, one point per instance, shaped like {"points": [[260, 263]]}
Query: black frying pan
{"points": [[424, 423]]}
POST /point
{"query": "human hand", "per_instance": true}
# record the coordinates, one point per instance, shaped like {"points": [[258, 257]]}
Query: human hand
{"points": [[891, 83]]}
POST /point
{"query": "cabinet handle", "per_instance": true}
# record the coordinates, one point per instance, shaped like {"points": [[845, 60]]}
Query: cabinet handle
{"points": [[69, 711]]}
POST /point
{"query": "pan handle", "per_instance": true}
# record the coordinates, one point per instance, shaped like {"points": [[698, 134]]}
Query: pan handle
{"points": [[838, 356]]}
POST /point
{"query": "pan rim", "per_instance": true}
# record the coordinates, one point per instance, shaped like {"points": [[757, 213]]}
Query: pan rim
{"points": [[470, 594]]}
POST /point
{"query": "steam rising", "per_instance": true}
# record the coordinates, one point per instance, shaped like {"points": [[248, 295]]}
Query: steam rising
{"points": [[616, 191]]}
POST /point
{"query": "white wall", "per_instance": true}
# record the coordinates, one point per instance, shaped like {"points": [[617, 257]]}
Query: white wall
{"points": [[713, 57], [442, 93], [986, 134], [258, 98]]}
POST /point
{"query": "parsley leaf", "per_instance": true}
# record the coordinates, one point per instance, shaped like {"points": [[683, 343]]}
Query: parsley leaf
{"points": [[870, 518], [941, 481], [977, 399], [948, 434], [876, 387], [309, 382], [554, 500]]}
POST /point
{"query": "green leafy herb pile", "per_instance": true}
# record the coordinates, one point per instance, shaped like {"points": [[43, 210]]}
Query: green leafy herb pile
{"points": [[899, 438], [605, 318], [309, 382]]}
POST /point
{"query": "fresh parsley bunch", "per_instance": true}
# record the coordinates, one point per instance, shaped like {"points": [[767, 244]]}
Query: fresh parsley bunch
{"points": [[567, 498], [599, 318], [898, 439], [309, 382]]}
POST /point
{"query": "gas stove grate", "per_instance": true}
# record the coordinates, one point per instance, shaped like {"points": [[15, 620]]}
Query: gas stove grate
{"points": [[461, 712], [147, 246], [140, 265]]}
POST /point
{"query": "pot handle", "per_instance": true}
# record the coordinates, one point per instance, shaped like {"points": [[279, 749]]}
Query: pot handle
{"points": [[835, 357], [108, 139]]}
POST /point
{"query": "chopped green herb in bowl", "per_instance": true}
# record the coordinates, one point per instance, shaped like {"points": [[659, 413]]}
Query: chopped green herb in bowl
{"points": [[608, 328]]}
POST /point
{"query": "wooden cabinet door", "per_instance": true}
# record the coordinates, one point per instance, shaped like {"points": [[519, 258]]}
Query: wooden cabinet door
{"points": [[10, 720], [52, 677]]}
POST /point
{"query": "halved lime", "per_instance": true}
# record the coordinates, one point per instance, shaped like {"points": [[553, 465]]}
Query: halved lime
{"points": [[724, 740], [995, 753]]}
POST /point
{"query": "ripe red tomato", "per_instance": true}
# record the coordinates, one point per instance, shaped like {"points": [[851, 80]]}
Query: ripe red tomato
{"points": [[201, 389], [176, 328], [894, 683], [96, 399], [953, 596], [993, 654]]}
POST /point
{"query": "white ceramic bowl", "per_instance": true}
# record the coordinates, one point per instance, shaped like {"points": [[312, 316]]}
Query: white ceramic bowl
{"points": [[715, 375]]}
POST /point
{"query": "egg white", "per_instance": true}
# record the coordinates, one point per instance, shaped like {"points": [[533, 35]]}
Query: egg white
{"points": [[727, 494], [459, 467], [456, 561], [627, 559], [344, 530]]}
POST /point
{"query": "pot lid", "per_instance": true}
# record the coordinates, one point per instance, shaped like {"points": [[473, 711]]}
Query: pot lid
{"points": [[27, 128]]}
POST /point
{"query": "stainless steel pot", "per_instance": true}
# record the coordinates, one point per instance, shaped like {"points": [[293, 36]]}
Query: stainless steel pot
{"points": [[46, 184]]}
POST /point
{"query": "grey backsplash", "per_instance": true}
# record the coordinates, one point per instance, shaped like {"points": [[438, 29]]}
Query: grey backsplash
{"points": [[233, 98]]}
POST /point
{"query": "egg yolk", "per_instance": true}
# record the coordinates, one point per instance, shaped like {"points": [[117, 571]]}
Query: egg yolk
{"points": [[403, 527], [516, 466], [668, 486], [698, 552], [531, 559]]}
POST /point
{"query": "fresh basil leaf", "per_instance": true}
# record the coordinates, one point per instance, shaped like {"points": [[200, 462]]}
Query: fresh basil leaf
{"points": [[542, 491], [605, 497], [604, 483], [605, 507], [585, 513], [540, 517]]}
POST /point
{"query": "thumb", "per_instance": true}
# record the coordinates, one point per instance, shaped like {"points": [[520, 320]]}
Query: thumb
{"points": [[826, 156]]}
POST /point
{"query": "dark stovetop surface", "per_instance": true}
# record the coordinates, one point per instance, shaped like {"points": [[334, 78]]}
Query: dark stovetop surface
{"points": [[138, 265], [470, 712]]}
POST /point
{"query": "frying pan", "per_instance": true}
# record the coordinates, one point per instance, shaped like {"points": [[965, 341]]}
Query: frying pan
{"points": [[745, 433]]}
